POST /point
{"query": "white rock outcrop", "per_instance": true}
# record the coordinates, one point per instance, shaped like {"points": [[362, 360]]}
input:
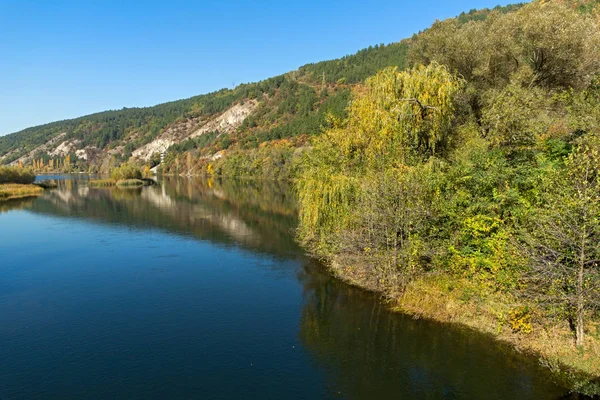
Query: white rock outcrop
{"points": [[227, 122]]}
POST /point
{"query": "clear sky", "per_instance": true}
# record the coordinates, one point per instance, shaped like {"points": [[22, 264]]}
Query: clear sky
{"points": [[63, 59]]}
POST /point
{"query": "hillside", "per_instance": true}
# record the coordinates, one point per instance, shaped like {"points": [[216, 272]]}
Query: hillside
{"points": [[293, 106]]}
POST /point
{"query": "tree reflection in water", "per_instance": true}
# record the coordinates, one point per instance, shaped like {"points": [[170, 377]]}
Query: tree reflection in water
{"points": [[372, 353]]}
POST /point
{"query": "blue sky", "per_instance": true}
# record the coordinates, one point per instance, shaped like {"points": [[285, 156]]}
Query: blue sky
{"points": [[63, 59]]}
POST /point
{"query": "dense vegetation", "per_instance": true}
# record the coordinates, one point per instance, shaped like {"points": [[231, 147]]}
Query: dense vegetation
{"points": [[16, 175], [125, 175], [476, 171], [17, 182], [126, 171]]}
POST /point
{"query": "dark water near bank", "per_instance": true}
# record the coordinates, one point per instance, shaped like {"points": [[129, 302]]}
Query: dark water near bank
{"points": [[195, 289]]}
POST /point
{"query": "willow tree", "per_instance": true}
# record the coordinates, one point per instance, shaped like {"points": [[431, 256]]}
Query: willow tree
{"points": [[396, 121]]}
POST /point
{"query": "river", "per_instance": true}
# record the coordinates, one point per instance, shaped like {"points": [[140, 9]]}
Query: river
{"points": [[197, 289]]}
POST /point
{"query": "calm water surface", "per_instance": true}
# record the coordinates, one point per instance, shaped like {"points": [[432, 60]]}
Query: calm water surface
{"points": [[193, 289]]}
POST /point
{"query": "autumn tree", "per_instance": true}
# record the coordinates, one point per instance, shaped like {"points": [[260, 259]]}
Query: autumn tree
{"points": [[364, 186]]}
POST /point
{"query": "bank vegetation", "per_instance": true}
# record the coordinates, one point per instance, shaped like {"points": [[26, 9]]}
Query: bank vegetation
{"points": [[467, 187], [16, 183]]}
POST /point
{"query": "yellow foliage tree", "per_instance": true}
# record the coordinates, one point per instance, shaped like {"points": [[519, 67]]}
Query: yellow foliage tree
{"points": [[398, 118]]}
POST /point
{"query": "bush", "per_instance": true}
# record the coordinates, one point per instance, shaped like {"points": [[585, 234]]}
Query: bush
{"points": [[126, 171], [520, 320], [16, 175]]}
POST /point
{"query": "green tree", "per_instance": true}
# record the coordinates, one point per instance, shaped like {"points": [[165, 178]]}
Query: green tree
{"points": [[515, 115], [560, 47], [563, 242]]}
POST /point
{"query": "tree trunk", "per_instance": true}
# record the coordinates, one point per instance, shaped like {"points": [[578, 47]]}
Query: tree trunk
{"points": [[579, 321], [579, 333], [579, 318]]}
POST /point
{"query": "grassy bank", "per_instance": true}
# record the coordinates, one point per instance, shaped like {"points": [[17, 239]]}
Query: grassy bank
{"points": [[11, 191]]}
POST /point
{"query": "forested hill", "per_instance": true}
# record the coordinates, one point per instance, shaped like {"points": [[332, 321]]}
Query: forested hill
{"points": [[293, 106]]}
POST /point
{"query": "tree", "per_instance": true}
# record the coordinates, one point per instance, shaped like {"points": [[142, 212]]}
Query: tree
{"points": [[364, 186], [189, 163], [560, 47], [515, 116], [404, 112], [563, 242], [126, 171]]}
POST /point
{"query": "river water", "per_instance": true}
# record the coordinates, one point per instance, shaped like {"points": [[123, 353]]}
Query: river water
{"points": [[196, 289]]}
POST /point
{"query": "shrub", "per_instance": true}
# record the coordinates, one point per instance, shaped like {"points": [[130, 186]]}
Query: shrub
{"points": [[126, 171], [520, 320], [16, 175]]}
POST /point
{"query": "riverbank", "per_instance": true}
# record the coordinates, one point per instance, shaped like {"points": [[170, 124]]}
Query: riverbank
{"points": [[11, 191], [446, 299]]}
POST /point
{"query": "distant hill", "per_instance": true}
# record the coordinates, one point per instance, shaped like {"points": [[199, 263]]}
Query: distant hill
{"points": [[292, 106]]}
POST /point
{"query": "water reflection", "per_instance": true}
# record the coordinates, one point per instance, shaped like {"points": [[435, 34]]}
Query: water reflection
{"points": [[370, 353], [257, 217], [16, 204], [360, 350]]}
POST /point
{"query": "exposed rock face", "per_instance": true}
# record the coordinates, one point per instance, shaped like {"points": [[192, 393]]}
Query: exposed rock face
{"points": [[46, 147], [229, 121], [226, 122], [57, 147], [217, 155], [159, 145], [66, 147], [82, 153]]}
